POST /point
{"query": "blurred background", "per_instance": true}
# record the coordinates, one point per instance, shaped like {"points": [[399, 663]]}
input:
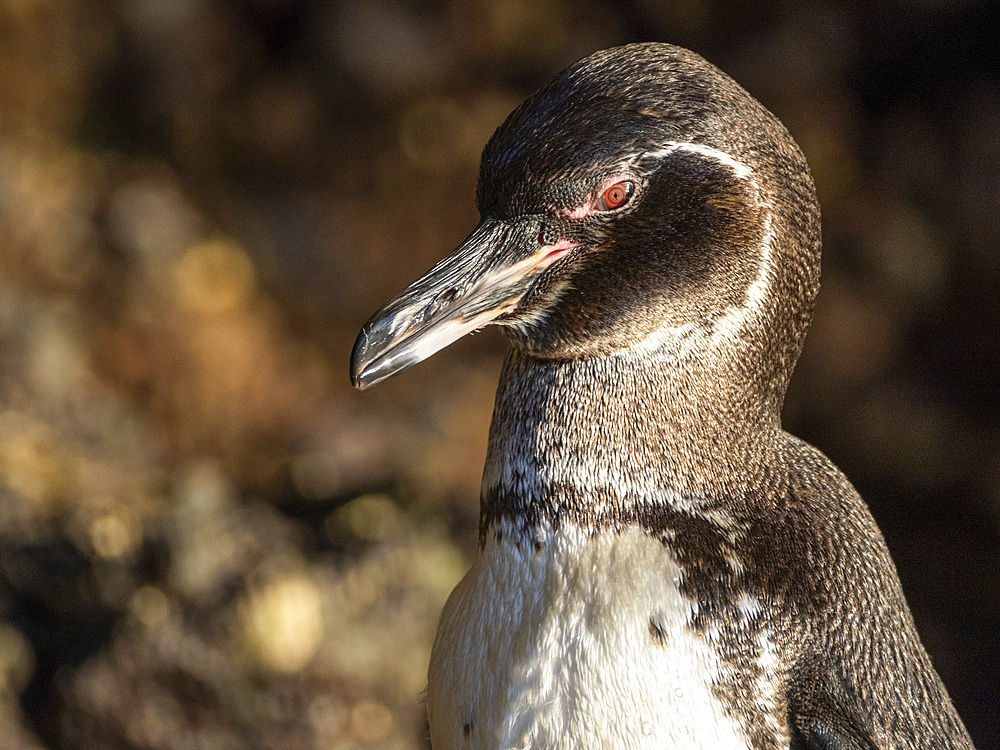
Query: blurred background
{"points": [[208, 540]]}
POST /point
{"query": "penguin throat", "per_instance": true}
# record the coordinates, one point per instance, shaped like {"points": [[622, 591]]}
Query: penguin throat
{"points": [[600, 442]]}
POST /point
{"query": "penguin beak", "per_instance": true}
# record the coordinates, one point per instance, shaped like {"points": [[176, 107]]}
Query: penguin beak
{"points": [[484, 278]]}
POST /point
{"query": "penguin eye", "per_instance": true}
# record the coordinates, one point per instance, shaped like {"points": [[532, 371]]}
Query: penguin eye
{"points": [[616, 196]]}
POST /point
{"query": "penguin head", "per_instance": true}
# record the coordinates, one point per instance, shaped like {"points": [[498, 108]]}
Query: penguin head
{"points": [[640, 202]]}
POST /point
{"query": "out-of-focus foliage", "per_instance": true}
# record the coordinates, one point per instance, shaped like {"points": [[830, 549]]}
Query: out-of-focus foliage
{"points": [[207, 540]]}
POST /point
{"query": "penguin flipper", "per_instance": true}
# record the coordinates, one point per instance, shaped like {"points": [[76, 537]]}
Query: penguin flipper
{"points": [[816, 734], [820, 716]]}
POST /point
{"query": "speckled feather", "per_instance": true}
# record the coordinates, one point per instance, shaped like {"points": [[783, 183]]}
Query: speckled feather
{"points": [[661, 565]]}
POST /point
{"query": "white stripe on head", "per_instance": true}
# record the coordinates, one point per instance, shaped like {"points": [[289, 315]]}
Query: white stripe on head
{"points": [[729, 325], [740, 169]]}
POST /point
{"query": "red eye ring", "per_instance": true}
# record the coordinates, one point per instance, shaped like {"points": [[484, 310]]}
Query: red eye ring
{"points": [[616, 196]]}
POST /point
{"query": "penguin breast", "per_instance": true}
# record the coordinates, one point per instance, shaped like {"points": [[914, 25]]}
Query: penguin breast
{"points": [[566, 638]]}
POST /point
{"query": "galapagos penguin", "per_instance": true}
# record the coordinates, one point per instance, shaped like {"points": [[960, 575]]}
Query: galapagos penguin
{"points": [[660, 565]]}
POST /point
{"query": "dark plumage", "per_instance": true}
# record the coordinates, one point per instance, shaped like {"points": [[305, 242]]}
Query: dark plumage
{"points": [[660, 564]]}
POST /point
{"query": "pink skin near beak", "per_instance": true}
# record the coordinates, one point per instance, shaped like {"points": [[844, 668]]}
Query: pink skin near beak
{"points": [[545, 257], [549, 254]]}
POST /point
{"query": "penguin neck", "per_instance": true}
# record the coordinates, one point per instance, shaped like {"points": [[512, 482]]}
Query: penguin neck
{"points": [[603, 443]]}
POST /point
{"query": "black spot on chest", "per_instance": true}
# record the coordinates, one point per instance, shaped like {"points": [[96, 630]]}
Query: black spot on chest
{"points": [[657, 632]]}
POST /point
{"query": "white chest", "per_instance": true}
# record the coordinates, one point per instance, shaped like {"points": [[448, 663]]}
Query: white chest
{"points": [[578, 641]]}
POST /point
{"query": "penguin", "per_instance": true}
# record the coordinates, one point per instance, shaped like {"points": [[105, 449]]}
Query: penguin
{"points": [[660, 565]]}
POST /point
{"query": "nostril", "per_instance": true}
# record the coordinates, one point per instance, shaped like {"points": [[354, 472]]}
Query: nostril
{"points": [[447, 296]]}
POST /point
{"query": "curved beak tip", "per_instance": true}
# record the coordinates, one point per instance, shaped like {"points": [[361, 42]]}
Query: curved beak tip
{"points": [[363, 357], [357, 380], [362, 380]]}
